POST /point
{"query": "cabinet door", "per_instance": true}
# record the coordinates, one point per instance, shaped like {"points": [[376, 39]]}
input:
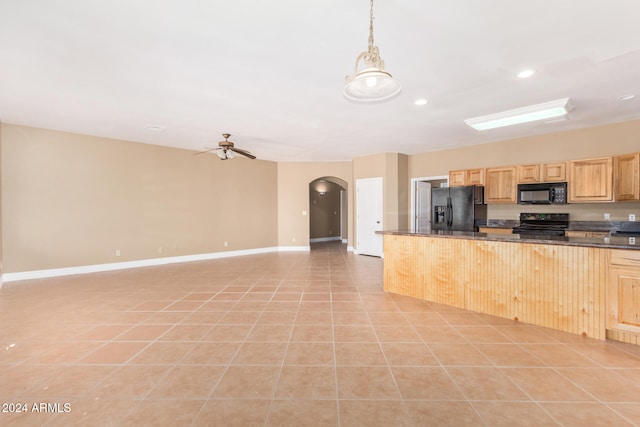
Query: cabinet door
{"points": [[528, 173], [598, 234], [576, 233], [495, 230], [500, 185], [626, 179], [475, 177], [591, 180], [457, 178], [554, 172], [624, 299]]}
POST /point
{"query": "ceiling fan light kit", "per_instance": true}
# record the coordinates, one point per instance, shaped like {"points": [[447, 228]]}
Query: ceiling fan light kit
{"points": [[373, 83], [227, 150], [532, 113]]}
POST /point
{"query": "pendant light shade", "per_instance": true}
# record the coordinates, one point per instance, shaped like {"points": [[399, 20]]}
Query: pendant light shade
{"points": [[373, 83]]}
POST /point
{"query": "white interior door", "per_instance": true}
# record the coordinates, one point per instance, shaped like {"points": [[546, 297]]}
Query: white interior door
{"points": [[423, 206], [369, 216]]}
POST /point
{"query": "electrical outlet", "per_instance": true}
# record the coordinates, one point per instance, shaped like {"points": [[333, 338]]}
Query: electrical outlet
{"points": [[607, 216], [293, 239], [632, 240], [226, 244], [160, 250], [632, 217], [117, 252]]}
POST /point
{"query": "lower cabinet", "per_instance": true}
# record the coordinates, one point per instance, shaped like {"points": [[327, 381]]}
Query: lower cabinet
{"points": [[579, 233], [623, 296], [495, 230]]}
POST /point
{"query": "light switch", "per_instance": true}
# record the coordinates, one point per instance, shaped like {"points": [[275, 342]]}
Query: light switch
{"points": [[304, 213]]}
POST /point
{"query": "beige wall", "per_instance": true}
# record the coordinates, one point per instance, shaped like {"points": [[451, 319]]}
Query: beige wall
{"points": [[394, 170], [608, 140], [72, 200], [293, 198]]}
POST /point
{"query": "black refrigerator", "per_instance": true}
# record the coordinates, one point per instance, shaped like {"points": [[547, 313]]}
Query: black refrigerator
{"points": [[458, 208]]}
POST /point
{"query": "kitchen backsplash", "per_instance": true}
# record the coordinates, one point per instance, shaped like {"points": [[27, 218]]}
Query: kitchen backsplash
{"points": [[577, 212]]}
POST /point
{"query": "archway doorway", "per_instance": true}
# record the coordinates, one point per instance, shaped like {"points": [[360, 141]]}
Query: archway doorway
{"points": [[328, 210]]}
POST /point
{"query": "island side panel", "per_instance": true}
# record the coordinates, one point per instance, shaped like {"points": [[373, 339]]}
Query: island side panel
{"points": [[560, 287], [404, 265]]}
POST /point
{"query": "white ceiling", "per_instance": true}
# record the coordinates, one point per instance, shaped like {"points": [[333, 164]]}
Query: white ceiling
{"points": [[271, 73]]}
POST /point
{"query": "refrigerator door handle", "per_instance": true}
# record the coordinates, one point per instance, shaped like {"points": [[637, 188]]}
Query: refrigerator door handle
{"points": [[449, 213]]}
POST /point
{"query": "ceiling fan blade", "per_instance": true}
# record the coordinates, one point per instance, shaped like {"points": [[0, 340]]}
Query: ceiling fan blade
{"points": [[243, 152], [206, 151]]}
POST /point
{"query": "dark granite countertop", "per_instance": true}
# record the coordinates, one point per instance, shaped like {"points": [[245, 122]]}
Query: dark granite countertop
{"points": [[596, 226], [610, 242]]}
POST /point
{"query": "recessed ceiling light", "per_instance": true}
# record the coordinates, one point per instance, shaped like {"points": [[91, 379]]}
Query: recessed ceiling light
{"points": [[525, 74], [420, 101], [155, 128], [626, 97]]}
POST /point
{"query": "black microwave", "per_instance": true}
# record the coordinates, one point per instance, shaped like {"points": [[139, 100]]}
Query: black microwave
{"points": [[545, 193]]}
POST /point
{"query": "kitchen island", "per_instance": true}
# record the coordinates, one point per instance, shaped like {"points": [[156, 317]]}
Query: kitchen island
{"points": [[580, 285]]}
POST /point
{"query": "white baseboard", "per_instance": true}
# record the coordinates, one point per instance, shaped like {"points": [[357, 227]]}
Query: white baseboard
{"points": [[96, 268], [325, 239]]}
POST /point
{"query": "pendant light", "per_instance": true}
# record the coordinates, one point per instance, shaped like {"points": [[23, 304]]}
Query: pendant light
{"points": [[373, 83]]}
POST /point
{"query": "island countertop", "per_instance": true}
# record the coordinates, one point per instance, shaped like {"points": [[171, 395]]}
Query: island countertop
{"points": [[608, 242]]}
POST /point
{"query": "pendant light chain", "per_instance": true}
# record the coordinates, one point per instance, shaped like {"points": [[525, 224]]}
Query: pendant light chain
{"points": [[372, 55], [371, 27]]}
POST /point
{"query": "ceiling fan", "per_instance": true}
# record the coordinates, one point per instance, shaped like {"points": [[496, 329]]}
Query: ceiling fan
{"points": [[226, 150]]}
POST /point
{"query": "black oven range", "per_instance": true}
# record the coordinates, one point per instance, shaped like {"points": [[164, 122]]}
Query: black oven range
{"points": [[544, 225]]}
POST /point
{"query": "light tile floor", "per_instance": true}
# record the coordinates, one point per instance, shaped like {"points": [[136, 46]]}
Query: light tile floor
{"points": [[290, 339]]}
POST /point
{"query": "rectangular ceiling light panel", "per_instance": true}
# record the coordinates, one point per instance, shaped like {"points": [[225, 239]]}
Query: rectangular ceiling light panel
{"points": [[547, 110]]}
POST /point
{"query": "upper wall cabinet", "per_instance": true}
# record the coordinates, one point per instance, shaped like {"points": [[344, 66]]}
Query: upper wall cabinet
{"points": [[546, 172], [457, 178], [626, 180], [591, 180], [500, 185], [528, 173], [475, 177], [554, 172], [466, 177]]}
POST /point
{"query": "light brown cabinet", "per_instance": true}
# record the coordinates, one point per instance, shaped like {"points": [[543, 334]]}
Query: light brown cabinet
{"points": [[580, 233], [554, 172], [500, 185], [591, 180], [495, 230], [459, 178], [626, 180], [623, 291], [475, 177], [528, 173]]}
